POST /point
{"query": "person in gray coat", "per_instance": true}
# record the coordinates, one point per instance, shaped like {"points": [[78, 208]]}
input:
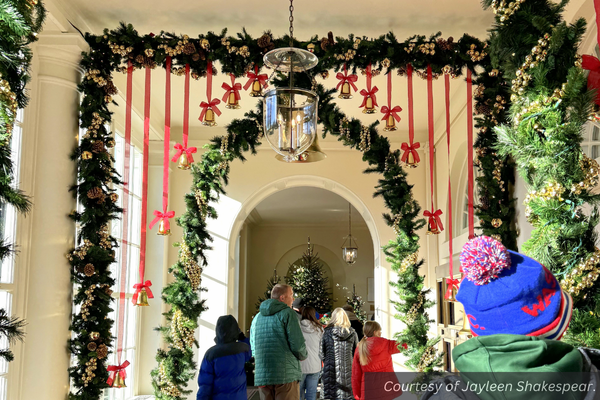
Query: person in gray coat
{"points": [[337, 352], [312, 331]]}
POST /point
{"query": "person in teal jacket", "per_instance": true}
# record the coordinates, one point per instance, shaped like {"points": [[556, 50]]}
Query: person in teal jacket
{"points": [[278, 346], [517, 313]]}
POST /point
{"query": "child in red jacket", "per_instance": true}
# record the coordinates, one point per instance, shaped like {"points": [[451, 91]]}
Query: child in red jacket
{"points": [[374, 354]]}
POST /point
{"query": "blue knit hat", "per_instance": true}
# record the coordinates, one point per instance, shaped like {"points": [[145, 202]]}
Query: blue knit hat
{"points": [[507, 292]]}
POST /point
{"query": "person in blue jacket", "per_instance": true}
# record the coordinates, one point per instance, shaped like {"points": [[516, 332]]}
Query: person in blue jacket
{"points": [[222, 374]]}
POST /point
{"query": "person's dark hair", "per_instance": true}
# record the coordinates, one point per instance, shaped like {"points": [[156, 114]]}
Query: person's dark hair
{"points": [[279, 290], [348, 307], [309, 314]]}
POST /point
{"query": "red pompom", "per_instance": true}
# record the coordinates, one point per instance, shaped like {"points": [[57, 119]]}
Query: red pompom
{"points": [[482, 259]]}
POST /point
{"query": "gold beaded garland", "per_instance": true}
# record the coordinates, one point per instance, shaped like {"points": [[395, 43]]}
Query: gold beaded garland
{"points": [[584, 275], [408, 261], [365, 139], [428, 357]]}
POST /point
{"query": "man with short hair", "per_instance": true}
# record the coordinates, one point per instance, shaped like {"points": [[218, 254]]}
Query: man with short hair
{"points": [[278, 346]]}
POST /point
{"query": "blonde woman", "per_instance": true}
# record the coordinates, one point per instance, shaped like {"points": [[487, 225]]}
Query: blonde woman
{"points": [[374, 354], [337, 348]]}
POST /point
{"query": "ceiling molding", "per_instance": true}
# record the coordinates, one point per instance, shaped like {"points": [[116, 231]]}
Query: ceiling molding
{"points": [[254, 217]]}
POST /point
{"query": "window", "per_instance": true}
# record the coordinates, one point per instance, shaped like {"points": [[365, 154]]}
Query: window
{"points": [[464, 226], [131, 247], [8, 229], [591, 140]]}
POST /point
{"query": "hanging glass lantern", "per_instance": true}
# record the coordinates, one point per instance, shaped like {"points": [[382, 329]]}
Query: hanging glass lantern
{"points": [[349, 247], [290, 113]]}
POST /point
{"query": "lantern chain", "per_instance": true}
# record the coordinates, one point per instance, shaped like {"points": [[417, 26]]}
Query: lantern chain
{"points": [[291, 23]]}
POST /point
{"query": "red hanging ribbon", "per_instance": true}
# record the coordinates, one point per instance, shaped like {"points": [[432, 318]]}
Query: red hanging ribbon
{"points": [[471, 213], [450, 248], [143, 229], [116, 369], [165, 214], [592, 64], [346, 78], [125, 230], [411, 115], [254, 76], [211, 103], [388, 110], [162, 216], [410, 149], [235, 88], [451, 283], [186, 106], [370, 92], [434, 216], [138, 288], [431, 214], [188, 151]]}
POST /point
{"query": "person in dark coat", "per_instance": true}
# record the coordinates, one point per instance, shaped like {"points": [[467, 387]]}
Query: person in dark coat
{"points": [[222, 373], [354, 321], [337, 351]]}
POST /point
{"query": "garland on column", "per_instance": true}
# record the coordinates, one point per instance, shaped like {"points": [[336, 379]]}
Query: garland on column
{"points": [[537, 51], [20, 22], [237, 55]]}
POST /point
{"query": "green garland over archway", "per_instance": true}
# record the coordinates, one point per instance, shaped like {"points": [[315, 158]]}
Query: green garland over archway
{"points": [[237, 55]]}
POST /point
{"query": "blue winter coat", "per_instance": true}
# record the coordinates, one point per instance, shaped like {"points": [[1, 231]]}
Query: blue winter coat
{"points": [[222, 375]]}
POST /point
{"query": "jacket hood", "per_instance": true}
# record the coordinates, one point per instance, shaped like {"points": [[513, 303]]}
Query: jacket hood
{"points": [[342, 334], [227, 330], [271, 307], [516, 353], [308, 327]]}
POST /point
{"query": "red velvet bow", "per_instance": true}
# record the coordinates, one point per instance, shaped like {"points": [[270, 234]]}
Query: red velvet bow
{"points": [[592, 64], [212, 105], [369, 93], [405, 346], [410, 149], [138, 287], [436, 216], [452, 283], [254, 76], [158, 216], [393, 112], [116, 369], [346, 78], [188, 151], [235, 88]]}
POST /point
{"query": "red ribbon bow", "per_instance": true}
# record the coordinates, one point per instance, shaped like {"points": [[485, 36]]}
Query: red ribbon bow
{"points": [[180, 150], [435, 215], [235, 88], [452, 283], [254, 76], [405, 346], [158, 216], [346, 78], [212, 105], [592, 64], [116, 369], [410, 149], [393, 112], [138, 288]]}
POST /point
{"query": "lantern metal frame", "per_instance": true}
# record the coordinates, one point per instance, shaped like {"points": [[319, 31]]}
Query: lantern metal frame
{"points": [[349, 247]]}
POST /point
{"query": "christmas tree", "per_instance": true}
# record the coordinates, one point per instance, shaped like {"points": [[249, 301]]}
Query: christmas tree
{"points": [[537, 51], [272, 281], [308, 280], [356, 302]]}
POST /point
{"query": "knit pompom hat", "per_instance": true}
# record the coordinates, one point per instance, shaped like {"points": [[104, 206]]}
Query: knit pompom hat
{"points": [[507, 292]]}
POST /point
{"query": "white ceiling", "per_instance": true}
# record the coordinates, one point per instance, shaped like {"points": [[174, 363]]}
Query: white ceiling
{"points": [[305, 206]]}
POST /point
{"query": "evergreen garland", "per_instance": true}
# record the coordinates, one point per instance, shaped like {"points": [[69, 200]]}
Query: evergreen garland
{"points": [[308, 281], [537, 51], [109, 53], [20, 22]]}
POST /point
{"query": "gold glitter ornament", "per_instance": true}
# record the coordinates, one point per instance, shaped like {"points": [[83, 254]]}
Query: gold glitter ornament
{"points": [[91, 346], [408, 261], [496, 222], [102, 351], [86, 155], [182, 336], [89, 270], [94, 335], [428, 357]]}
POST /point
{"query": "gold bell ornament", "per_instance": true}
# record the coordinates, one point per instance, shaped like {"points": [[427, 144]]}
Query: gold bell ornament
{"points": [[370, 101], [207, 116], [183, 163], [208, 119], [410, 157], [390, 116], [232, 94], [162, 228], [345, 93], [118, 382], [142, 299], [369, 105], [346, 83], [434, 224], [257, 81]]}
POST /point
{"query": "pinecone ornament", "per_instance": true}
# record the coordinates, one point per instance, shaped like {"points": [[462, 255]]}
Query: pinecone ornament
{"points": [[102, 351], [89, 270], [98, 147], [483, 109], [94, 193], [189, 48]]}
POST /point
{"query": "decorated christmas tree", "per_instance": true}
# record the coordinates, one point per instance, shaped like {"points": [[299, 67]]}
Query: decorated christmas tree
{"points": [[356, 302], [537, 52], [308, 280], [272, 281]]}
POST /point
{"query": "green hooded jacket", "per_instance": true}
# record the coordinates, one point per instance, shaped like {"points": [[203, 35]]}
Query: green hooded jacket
{"points": [[511, 362], [277, 344]]}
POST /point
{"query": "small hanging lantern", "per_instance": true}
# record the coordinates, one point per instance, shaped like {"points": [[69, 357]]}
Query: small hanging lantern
{"points": [[349, 247], [290, 113]]}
